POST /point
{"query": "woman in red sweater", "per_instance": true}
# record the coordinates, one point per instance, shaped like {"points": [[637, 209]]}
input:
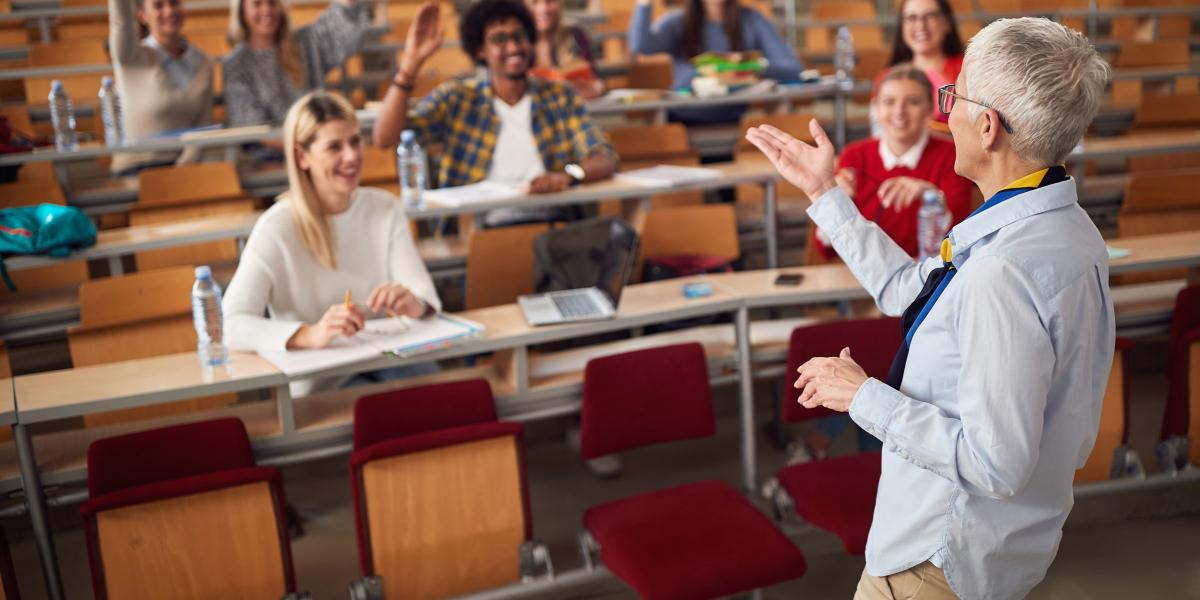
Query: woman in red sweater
{"points": [[887, 176]]}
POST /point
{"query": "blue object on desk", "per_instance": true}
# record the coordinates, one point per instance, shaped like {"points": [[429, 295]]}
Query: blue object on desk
{"points": [[697, 289]]}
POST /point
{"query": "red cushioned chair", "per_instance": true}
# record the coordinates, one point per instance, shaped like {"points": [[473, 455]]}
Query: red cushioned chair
{"points": [[8, 575], [702, 540], [441, 499], [184, 512], [1173, 446], [836, 494]]}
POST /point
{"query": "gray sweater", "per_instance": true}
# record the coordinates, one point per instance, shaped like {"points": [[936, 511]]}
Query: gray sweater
{"points": [[257, 90]]}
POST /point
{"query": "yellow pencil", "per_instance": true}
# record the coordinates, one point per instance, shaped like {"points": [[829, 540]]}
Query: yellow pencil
{"points": [[349, 302]]}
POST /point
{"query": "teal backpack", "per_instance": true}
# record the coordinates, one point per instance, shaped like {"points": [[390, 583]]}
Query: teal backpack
{"points": [[43, 229]]}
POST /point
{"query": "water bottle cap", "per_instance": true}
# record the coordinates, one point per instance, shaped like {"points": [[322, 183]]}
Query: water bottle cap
{"points": [[930, 196], [407, 136], [203, 272], [107, 81], [56, 85]]}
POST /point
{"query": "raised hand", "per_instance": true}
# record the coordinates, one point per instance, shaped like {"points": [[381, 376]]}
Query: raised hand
{"points": [[808, 168], [424, 38]]}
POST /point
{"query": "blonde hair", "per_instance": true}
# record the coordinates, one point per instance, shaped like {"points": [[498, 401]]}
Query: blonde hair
{"points": [[285, 47], [299, 129]]}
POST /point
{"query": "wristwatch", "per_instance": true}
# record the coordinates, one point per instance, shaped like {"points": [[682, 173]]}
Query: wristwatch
{"points": [[575, 172]]}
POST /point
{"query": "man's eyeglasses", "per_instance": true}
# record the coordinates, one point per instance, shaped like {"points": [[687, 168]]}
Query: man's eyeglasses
{"points": [[501, 38], [946, 98], [926, 18]]}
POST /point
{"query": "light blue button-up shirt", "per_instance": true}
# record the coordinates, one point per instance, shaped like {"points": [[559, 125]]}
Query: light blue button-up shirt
{"points": [[1001, 396]]}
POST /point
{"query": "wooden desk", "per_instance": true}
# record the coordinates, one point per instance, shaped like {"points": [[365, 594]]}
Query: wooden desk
{"points": [[8, 405], [1137, 144]]}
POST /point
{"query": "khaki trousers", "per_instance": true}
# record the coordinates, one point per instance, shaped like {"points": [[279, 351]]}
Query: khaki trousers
{"points": [[922, 582]]}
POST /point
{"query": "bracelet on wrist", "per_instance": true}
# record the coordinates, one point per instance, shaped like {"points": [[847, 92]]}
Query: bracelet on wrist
{"points": [[403, 81]]}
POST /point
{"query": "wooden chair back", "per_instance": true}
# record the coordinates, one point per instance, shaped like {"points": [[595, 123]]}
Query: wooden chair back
{"points": [[444, 65], [379, 167], [1112, 425], [24, 193], [1159, 203], [191, 541], [1169, 54], [820, 39], [707, 229], [62, 54], [1166, 111], [500, 264], [1149, 28], [433, 534], [178, 193], [642, 146], [795, 125], [13, 38], [137, 316], [78, 32], [651, 72]]}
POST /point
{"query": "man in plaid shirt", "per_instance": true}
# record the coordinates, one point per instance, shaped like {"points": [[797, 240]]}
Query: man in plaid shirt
{"points": [[503, 126]]}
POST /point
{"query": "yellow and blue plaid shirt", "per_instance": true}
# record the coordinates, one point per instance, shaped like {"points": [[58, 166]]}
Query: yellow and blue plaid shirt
{"points": [[460, 115]]}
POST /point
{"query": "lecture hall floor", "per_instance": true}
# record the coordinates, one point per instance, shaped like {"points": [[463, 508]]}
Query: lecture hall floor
{"points": [[1131, 545]]}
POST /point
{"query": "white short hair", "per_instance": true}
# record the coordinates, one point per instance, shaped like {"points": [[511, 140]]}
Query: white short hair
{"points": [[1045, 79]]}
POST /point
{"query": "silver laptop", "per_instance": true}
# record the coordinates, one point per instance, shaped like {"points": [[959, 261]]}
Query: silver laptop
{"points": [[581, 304]]}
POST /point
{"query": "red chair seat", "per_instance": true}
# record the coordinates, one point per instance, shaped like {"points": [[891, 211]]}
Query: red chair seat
{"points": [[701, 540], [837, 495]]}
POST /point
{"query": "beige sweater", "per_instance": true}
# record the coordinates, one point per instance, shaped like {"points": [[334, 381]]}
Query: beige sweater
{"points": [[151, 103]]}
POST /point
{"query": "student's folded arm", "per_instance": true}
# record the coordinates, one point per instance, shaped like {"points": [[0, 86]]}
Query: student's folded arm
{"points": [[782, 62], [406, 266], [991, 447], [887, 272], [662, 36], [244, 306]]}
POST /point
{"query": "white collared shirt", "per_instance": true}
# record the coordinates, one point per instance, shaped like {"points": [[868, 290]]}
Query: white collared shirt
{"points": [[909, 159], [1002, 390], [180, 70]]}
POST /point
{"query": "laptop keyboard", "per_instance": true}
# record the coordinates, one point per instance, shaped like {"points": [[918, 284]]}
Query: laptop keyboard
{"points": [[576, 304]]}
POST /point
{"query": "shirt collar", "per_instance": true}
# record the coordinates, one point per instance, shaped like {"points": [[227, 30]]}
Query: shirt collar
{"points": [[1031, 202], [909, 159], [190, 56]]}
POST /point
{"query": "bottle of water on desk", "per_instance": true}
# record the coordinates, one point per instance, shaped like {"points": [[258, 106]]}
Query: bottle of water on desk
{"points": [[933, 222], [410, 162], [62, 116], [110, 113], [206, 315], [843, 55]]}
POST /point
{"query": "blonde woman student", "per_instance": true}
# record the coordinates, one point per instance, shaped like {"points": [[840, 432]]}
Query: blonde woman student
{"points": [[271, 63], [325, 237], [165, 83]]}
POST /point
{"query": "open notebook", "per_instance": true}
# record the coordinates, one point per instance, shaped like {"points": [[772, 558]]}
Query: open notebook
{"points": [[398, 337]]}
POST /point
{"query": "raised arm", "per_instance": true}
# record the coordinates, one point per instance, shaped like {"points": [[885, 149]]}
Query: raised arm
{"points": [[424, 38], [122, 29], [882, 267], [662, 36]]}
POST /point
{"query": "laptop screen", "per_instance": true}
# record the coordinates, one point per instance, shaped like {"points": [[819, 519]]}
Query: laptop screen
{"points": [[616, 284]]}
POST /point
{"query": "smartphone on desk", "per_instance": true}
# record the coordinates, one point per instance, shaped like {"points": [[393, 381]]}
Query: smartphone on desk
{"points": [[789, 279]]}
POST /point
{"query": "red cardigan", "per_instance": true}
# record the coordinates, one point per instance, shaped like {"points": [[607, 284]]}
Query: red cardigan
{"points": [[936, 166]]}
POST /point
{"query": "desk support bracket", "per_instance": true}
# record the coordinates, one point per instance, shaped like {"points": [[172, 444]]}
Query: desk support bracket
{"points": [[35, 498]]}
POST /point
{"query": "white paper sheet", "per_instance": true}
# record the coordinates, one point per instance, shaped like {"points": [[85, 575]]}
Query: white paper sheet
{"points": [[475, 193], [667, 175]]}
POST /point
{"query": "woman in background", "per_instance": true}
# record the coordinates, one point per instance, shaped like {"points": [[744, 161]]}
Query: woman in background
{"points": [[929, 40], [271, 64], [165, 83], [563, 50], [329, 253], [722, 26]]}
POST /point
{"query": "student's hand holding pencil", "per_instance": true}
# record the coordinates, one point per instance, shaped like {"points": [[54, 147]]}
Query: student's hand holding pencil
{"points": [[340, 319], [395, 300]]}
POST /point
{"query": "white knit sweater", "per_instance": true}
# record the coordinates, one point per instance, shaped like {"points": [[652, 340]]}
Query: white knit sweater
{"points": [[278, 276]]}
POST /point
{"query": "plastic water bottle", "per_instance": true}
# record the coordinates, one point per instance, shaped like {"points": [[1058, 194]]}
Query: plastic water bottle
{"points": [[206, 316], [111, 114], [410, 162], [933, 222], [843, 54], [62, 116]]}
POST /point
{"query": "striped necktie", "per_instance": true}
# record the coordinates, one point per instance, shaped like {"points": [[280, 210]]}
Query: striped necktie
{"points": [[937, 281]]}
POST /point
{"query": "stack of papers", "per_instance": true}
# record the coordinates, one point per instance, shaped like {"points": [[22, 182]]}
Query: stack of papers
{"points": [[475, 193], [398, 337], [667, 175]]}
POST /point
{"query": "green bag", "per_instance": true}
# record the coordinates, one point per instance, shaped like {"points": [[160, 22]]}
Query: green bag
{"points": [[43, 229]]}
